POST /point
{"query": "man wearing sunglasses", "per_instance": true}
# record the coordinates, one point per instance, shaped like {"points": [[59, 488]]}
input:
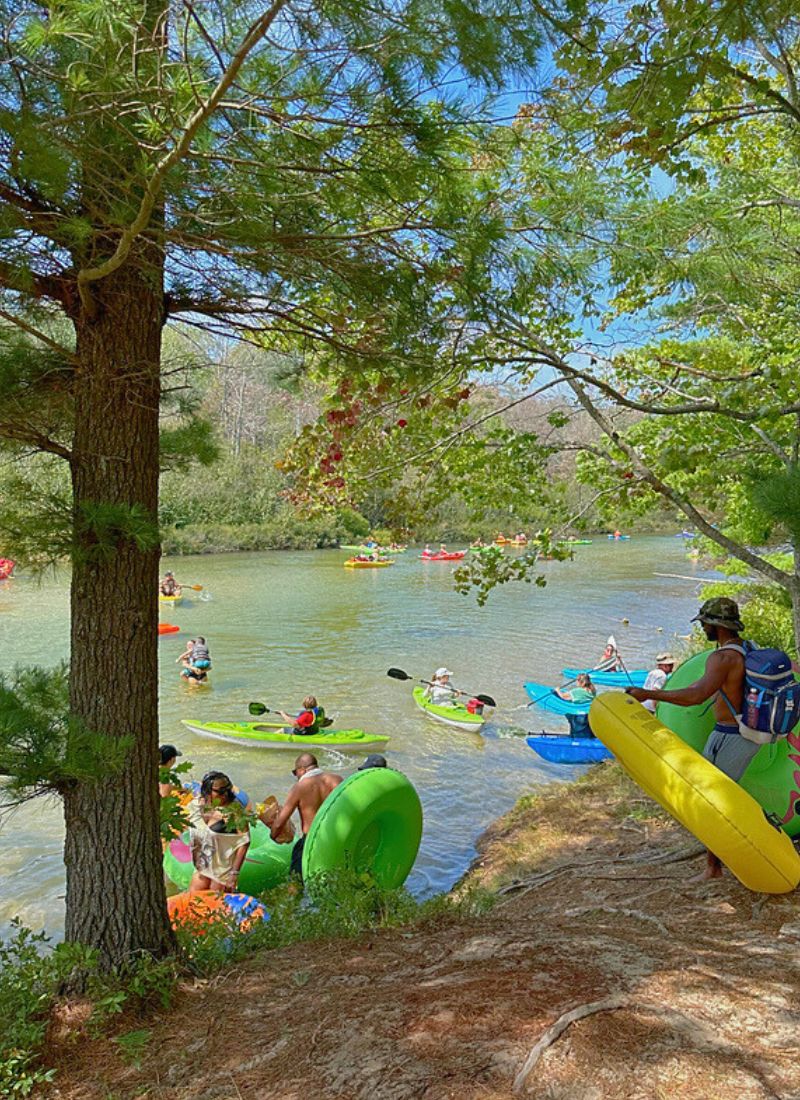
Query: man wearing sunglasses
{"points": [[312, 787]]}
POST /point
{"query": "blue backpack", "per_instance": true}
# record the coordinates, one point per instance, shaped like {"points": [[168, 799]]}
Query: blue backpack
{"points": [[771, 704]]}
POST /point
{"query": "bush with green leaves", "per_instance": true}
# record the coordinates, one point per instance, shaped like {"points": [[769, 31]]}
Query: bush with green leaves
{"points": [[31, 977]]}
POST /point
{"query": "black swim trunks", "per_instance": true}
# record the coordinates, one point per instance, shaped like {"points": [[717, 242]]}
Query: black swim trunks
{"points": [[296, 866]]}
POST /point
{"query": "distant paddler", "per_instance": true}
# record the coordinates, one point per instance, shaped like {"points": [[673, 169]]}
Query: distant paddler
{"points": [[169, 586], [611, 660]]}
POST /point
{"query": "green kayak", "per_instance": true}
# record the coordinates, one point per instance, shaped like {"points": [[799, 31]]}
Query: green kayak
{"points": [[271, 736], [452, 715]]}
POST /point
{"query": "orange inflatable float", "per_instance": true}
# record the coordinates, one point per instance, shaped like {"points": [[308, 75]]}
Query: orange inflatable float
{"points": [[197, 912]]}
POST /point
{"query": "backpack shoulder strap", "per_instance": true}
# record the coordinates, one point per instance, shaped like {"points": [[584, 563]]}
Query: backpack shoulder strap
{"points": [[736, 649]]}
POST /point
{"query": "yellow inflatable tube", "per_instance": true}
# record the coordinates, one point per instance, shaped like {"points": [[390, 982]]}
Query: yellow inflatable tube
{"points": [[720, 814]]}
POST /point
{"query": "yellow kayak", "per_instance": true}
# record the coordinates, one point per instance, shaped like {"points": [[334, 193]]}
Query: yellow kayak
{"points": [[716, 810], [354, 563], [174, 600]]}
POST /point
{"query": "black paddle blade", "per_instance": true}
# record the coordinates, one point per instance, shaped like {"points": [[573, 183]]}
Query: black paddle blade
{"points": [[398, 674], [258, 708], [487, 700]]}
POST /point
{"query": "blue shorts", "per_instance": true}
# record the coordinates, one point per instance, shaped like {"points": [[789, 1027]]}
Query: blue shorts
{"points": [[729, 751], [202, 663]]}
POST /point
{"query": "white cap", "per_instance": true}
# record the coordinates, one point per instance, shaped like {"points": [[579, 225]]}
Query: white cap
{"points": [[442, 672], [612, 641]]}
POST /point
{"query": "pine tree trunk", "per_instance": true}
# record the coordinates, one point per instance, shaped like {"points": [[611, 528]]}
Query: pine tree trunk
{"points": [[115, 888]]}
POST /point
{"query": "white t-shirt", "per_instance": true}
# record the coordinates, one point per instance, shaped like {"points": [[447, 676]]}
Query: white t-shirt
{"points": [[654, 682], [441, 694]]}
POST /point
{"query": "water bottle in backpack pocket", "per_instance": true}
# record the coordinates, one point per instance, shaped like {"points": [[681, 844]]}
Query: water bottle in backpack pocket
{"points": [[771, 695]]}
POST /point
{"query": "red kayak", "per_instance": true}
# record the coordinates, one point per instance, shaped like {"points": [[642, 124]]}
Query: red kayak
{"points": [[6, 568], [167, 628], [455, 555]]}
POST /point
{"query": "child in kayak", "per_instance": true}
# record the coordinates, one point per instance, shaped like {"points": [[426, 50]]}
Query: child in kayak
{"points": [[310, 720], [439, 690]]}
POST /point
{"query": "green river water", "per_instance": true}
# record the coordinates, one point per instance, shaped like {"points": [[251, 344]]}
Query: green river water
{"points": [[281, 625]]}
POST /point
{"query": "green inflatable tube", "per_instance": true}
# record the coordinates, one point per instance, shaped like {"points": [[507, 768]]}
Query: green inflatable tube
{"points": [[772, 776], [265, 865], [371, 822]]}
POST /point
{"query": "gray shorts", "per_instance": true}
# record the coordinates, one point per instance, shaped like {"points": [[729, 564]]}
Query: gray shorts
{"points": [[729, 751]]}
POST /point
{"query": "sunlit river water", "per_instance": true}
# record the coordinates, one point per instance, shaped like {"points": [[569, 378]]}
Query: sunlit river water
{"points": [[281, 625]]}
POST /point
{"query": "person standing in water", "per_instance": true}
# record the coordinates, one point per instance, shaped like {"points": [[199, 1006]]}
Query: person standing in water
{"points": [[723, 684], [306, 796]]}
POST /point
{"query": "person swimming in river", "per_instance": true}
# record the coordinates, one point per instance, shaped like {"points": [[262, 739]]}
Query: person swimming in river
{"points": [[309, 721]]}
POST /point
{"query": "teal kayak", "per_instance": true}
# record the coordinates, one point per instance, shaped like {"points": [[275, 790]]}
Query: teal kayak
{"points": [[266, 735], [453, 714], [634, 677], [545, 697]]}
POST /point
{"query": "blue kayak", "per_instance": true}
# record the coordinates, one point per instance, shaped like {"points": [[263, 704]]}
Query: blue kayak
{"points": [[558, 749], [545, 697], [634, 677]]}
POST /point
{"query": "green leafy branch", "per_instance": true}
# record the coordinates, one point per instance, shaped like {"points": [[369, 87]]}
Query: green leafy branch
{"points": [[43, 748]]}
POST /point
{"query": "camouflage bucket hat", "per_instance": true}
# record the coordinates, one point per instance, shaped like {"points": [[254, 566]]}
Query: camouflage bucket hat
{"points": [[720, 611]]}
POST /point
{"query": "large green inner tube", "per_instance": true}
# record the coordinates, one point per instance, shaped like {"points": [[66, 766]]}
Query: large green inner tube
{"points": [[772, 776], [265, 865], [370, 822]]}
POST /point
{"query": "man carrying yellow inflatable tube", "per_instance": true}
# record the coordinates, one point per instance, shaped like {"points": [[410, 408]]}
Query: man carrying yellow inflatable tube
{"points": [[723, 683]]}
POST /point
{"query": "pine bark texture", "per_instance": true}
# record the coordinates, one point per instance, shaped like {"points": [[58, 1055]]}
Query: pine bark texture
{"points": [[115, 899]]}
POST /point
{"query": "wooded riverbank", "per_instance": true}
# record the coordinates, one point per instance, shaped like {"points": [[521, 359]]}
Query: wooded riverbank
{"points": [[600, 973]]}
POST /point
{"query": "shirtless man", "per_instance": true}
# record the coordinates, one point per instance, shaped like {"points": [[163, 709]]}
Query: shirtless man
{"points": [[723, 681], [307, 795]]}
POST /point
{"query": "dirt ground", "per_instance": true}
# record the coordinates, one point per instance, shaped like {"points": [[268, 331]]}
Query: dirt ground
{"points": [[675, 989]]}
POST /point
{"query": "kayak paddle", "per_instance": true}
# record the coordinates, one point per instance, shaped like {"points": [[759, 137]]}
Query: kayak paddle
{"points": [[191, 587], [398, 674]]}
